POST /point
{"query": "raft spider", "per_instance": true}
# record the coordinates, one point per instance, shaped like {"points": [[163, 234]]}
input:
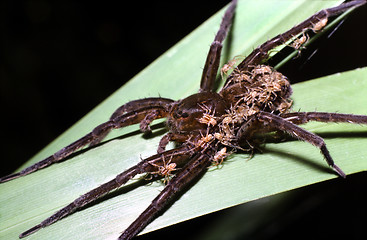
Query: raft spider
{"points": [[256, 98]]}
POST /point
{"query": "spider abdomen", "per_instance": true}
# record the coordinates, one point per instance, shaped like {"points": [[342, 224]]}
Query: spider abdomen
{"points": [[259, 88]]}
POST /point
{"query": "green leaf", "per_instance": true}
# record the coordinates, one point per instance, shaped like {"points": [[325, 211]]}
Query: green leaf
{"points": [[27, 201]]}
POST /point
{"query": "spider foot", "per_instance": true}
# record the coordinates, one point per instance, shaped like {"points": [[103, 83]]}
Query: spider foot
{"points": [[339, 171], [30, 231], [9, 177]]}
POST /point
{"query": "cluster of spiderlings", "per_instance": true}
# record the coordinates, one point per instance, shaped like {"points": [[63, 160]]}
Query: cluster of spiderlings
{"points": [[261, 89], [264, 86]]}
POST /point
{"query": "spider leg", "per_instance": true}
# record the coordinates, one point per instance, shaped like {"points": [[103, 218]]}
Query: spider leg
{"points": [[194, 168], [213, 59], [147, 110], [304, 117], [283, 125], [133, 106], [261, 52], [180, 138], [140, 103], [179, 156]]}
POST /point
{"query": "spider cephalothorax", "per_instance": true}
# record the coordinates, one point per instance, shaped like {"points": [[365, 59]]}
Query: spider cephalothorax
{"points": [[208, 126], [188, 114]]}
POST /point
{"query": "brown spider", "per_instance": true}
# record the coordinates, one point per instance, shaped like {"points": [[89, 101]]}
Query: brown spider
{"points": [[208, 126]]}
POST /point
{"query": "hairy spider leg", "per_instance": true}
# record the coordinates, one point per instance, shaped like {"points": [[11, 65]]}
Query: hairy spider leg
{"points": [[133, 106], [213, 59], [151, 164], [191, 171], [304, 117], [180, 138], [282, 124], [147, 110], [260, 54], [141, 103]]}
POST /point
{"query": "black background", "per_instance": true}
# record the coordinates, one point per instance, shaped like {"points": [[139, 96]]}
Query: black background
{"points": [[60, 59]]}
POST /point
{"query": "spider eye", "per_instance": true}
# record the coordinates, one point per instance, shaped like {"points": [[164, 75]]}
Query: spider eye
{"points": [[181, 114], [184, 115]]}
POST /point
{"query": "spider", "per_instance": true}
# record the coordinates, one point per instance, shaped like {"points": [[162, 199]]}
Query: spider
{"points": [[208, 126]]}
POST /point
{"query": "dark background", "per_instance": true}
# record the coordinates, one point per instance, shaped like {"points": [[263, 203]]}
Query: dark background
{"points": [[60, 59]]}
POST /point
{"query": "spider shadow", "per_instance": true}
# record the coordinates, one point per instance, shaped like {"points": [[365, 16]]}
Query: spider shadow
{"points": [[319, 166], [303, 160], [157, 130], [282, 137], [142, 181], [343, 134]]}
